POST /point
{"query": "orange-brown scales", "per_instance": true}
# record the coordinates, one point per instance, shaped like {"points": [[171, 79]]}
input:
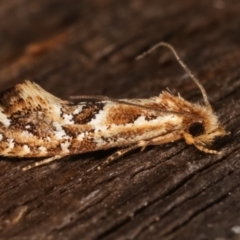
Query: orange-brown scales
{"points": [[34, 123]]}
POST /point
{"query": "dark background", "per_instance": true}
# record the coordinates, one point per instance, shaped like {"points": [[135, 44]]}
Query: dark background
{"points": [[166, 192]]}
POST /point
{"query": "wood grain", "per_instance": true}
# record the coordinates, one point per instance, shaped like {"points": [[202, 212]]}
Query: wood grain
{"points": [[88, 47]]}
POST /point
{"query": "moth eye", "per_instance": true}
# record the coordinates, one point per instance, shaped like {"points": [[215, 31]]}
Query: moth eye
{"points": [[196, 129]]}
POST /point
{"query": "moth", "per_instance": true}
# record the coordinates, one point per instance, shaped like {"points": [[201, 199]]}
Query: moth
{"points": [[34, 123]]}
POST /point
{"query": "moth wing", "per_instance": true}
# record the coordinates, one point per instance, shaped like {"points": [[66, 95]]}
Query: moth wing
{"points": [[26, 95]]}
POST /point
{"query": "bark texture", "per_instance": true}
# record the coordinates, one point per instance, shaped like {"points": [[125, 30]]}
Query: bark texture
{"points": [[166, 192]]}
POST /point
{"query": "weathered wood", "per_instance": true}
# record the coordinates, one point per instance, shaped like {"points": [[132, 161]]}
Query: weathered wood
{"points": [[88, 47]]}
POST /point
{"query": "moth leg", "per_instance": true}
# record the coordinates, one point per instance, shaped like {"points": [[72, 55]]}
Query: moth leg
{"points": [[171, 137], [117, 155], [206, 150], [122, 152], [190, 140], [143, 148], [42, 162], [143, 144]]}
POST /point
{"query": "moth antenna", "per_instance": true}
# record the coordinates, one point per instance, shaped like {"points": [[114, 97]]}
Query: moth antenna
{"points": [[106, 98], [190, 74], [93, 97]]}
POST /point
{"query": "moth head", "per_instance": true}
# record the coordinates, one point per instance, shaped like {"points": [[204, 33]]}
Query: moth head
{"points": [[202, 134]]}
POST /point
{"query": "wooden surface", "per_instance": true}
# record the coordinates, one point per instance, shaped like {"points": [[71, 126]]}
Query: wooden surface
{"points": [[88, 47]]}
